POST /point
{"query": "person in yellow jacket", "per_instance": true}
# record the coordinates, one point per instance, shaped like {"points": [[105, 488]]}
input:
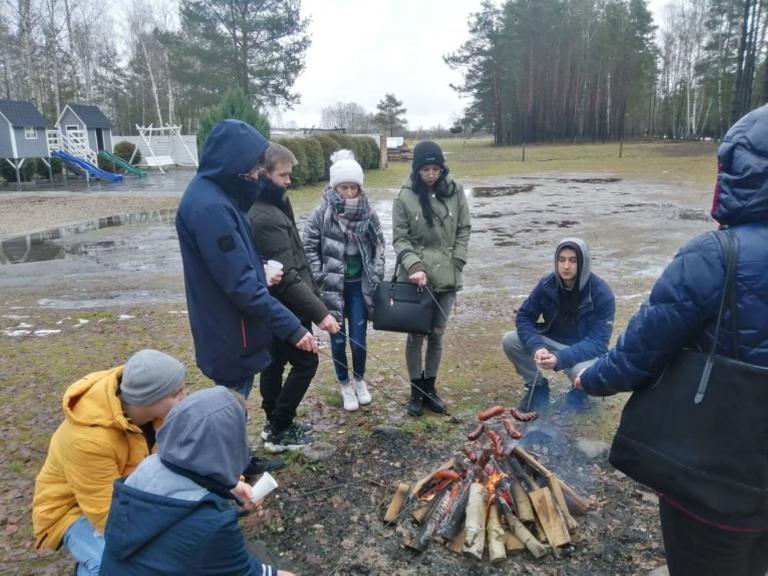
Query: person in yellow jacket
{"points": [[109, 428]]}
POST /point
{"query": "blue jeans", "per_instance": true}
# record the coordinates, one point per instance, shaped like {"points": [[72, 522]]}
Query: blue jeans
{"points": [[356, 314], [243, 386], [86, 545]]}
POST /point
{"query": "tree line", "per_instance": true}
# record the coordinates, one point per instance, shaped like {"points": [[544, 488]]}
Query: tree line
{"points": [[534, 70], [538, 70], [176, 64]]}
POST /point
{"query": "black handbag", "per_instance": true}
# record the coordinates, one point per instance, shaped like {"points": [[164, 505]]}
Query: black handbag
{"points": [[699, 434], [403, 307]]}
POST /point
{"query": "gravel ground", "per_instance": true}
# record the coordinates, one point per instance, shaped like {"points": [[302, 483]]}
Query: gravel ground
{"points": [[24, 212]]}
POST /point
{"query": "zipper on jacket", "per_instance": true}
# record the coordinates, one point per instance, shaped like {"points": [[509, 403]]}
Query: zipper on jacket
{"points": [[243, 333]]}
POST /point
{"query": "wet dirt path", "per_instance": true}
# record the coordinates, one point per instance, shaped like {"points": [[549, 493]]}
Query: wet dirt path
{"points": [[633, 229]]}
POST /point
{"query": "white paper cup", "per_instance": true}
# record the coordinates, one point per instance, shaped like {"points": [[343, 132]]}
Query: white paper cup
{"points": [[264, 486], [273, 267]]}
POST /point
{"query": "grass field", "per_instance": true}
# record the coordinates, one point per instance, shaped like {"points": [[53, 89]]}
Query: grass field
{"points": [[690, 164], [34, 372]]}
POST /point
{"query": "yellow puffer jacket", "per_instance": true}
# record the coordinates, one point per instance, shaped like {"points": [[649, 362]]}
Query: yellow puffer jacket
{"points": [[95, 445]]}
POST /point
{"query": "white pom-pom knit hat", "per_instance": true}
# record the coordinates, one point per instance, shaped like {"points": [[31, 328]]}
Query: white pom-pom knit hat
{"points": [[345, 169]]}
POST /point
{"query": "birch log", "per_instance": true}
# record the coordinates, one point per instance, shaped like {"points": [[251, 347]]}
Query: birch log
{"points": [[474, 528]]}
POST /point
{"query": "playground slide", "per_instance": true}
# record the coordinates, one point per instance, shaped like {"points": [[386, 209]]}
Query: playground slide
{"points": [[87, 166], [130, 168]]}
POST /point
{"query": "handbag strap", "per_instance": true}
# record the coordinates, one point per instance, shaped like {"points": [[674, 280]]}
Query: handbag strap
{"points": [[730, 250], [394, 278]]}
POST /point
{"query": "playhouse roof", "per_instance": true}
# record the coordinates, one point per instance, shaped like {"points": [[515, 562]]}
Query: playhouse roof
{"points": [[91, 116], [22, 113]]}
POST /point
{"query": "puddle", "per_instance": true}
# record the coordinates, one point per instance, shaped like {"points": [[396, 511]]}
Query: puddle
{"points": [[562, 223], [172, 182], [588, 180], [46, 245], [496, 191], [130, 259], [690, 214]]}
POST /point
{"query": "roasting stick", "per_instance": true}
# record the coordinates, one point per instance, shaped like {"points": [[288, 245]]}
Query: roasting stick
{"points": [[385, 363]]}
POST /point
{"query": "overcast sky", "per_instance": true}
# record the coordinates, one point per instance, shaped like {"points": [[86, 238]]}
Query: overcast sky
{"points": [[363, 49]]}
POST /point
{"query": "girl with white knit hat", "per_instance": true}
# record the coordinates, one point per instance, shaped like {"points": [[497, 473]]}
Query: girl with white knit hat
{"points": [[344, 245]]}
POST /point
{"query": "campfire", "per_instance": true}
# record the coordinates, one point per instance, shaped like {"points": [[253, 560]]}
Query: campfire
{"points": [[494, 495]]}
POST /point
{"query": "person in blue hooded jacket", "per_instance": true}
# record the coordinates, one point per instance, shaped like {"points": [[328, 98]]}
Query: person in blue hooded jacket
{"points": [[231, 312], [175, 513], [576, 308], [681, 312]]}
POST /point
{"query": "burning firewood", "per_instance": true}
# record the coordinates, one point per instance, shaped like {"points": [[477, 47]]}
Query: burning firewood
{"points": [[492, 491], [437, 510], [474, 529], [552, 481], [454, 518]]}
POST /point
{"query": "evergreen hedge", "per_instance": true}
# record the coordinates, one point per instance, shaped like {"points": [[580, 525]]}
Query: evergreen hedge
{"points": [[234, 104], [314, 155]]}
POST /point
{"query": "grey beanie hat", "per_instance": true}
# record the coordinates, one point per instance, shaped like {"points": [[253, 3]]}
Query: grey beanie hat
{"points": [[150, 375]]}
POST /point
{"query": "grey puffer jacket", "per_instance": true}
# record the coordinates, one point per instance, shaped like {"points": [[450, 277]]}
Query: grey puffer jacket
{"points": [[324, 239]]}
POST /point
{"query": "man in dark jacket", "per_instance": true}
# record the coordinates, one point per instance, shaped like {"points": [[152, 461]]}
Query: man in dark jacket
{"points": [[681, 312], [577, 308], [274, 229], [174, 514], [231, 312]]}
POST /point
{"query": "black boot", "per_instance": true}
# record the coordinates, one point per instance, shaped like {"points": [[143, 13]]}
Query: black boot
{"points": [[416, 405], [431, 400]]}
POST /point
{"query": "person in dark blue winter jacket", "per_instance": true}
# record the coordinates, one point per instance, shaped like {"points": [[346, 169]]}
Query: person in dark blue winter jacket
{"points": [[175, 514], [232, 315], [576, 308], [681, 312]]}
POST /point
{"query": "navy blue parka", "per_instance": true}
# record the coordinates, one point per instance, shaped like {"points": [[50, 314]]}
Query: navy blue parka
{"points": [[683, 305], [231, 312]]}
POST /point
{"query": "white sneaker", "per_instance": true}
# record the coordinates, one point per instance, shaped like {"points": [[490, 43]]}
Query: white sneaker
{"points": [[349, 397], [361, 389]]}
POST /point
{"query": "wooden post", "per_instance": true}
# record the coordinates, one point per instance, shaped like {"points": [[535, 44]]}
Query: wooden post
{"points": [[383, 159]]}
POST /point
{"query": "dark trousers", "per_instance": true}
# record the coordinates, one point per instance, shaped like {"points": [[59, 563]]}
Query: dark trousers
{"points": [[281, 399], [694, 548]]}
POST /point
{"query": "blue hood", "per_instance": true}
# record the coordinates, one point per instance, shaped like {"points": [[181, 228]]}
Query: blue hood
{"points": [[232, 148], [155, 513], [741, 193]]}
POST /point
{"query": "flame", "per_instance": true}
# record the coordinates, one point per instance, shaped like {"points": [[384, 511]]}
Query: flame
{"points": [[493, 479]]}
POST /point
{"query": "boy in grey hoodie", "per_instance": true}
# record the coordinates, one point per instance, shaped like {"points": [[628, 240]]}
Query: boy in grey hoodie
{"points": [[174, 514]]}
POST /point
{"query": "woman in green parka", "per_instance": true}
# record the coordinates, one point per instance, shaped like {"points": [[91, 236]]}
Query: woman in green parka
{"points": [[430, 234]]}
